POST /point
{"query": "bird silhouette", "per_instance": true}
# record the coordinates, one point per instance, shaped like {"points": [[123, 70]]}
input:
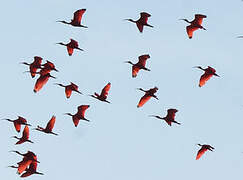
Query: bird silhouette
{"points": [[18, 122], [49, 126], [169, 118], [34, 65], [79, 115], [203, 149], [77, 17], [104, 93], [142, 21], [139, 65], [148, 94], [69, 89], [25, 136], [208, 73], [71, 46], [195, 24]]}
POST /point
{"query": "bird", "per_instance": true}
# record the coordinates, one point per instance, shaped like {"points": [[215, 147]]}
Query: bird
{"points": [[169, 118], [18, 122], [104, 93], [70, 46], [31, 170], [148, 94], [69, 89], [79, 115], [208, 73], [25, 136], [142, 21], [34, 65], [195, 24], [47, 68], [41, 81], [49, 126], [139, 65], [203, 149], [77, 17]]}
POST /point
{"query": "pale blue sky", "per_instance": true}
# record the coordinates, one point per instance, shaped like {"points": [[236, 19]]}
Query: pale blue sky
{"points": [[121, 141]]}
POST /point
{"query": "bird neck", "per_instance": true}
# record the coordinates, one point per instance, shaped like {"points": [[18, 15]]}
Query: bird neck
{"points": [[131, 20]]}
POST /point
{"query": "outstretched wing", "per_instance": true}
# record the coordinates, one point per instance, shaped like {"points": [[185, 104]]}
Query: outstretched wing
{"points": [[105, 90], [204, 78], [190, 29], [199, 18], [171, 113], [73, 43], [82, 109], [17, 126], [77, 16], [23, 165], [142, 59], [51, 124], [140, 27], [143, 100], [41, 81], [69, 50], [26, 133], [144, 17], [135, 70], [200, 153]]}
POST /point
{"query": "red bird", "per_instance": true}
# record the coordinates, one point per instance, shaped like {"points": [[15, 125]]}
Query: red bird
{"points": [[29, 157], [208, 73], [203, 149], [148, 94], [25, 136], [41, 81], [70, 88], [31, 170], [70, 46], [77, 17], [195, 24], [79, 115], [170, 117], [18, 122], [49, 126], [47, 68], [104, 93], [34, 65], [139, 65], [142, 21]]}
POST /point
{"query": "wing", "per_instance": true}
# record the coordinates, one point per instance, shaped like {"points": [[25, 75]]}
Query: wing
{"points": [[75, 120], [105, 91], [77, 17], [74, 43], [190, 29], [26, 174], [143, 100], [199, 18], [140, 27], [26, 133], [144, 17], [33, 70], [74, 86], [142, 59], [21, 120], [41, 81], [171, 113], [37, 60], [17, 126], [23, 165], [204, 78], [68, 91], [82, 109], [69, 50], [51, 123], [135, 71], [200, 153]]}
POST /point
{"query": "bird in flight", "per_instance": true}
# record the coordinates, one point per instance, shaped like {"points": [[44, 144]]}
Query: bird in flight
{"points": [[71, 46], [139, 65], [69, 89], [79, 115], [104, 93], [49, 126], [18, 122], [208, 73], [34, 65], [195, 24], [142, 21], [25, 136], [47, 68], [203, 149], [148, 94], [77, 17], [169, 118]]}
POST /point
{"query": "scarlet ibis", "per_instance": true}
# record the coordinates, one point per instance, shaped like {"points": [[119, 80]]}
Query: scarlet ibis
{"points": [[28, 158], [170, 117], [41, 81], [34, 65], [47, 68], [69, 89], [139, 65], [203, 149], [79, 115], [49, 126], [208, 73], [104, 93], [25, 136], [18, 122], [70, 46], [195, 24], [31, 170], [148, 94], [77, 17], [142, 21]]}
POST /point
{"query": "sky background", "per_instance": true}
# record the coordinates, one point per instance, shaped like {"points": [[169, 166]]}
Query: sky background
{"points": [[121, 141]]}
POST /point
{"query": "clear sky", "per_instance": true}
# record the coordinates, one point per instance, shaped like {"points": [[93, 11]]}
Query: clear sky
{"points": [[121, 141]]}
